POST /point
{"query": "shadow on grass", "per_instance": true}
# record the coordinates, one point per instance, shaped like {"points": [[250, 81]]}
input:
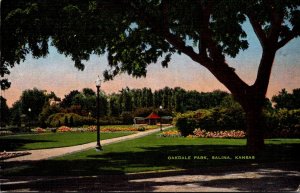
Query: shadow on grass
{"points": [[107, 171], [17, 144]]}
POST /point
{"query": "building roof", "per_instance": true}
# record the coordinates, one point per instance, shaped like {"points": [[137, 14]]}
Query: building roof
{"points": [[153, 116]]}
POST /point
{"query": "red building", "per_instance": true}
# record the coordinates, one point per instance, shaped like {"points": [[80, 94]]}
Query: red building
{"points": [[152, 118]]}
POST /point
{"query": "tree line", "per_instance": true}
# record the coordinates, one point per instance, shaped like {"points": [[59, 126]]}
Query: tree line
{"points": [[35, 106]]}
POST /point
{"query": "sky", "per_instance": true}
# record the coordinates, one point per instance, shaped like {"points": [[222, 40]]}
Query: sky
{"points": [[57, 73]]}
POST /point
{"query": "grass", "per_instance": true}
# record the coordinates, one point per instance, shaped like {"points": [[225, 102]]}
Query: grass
{"points": [[153, 153], [52, 140]]}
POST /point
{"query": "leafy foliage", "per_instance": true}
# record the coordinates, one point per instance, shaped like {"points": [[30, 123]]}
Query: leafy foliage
{"points": [[57, 119], [4, 112], [287, 100]]}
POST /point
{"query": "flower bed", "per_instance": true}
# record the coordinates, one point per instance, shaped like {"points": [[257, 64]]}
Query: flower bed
{"points": [[7, 155], [172, 133], [2, 133], [114, 129], [219, 134], [64, 129], [38, 130]]}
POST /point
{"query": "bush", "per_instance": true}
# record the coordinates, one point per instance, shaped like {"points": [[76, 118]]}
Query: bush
{"points": [[107, 120], [55, 120], [186, 126], [53, 130], [141, 129], [282, 123], [127, 118], [214, 119]]}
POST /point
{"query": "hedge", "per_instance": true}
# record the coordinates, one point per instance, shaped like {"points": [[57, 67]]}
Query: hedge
{"points": [[279, 123]]}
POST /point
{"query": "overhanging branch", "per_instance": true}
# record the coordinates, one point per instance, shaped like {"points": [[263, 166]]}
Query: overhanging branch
{"points": [[257, 29], [292, 34]]}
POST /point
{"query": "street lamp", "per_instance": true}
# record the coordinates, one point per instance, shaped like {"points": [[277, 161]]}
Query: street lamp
{"points": [[98, 84], [160, 107], [29, 116], [108, 107]]}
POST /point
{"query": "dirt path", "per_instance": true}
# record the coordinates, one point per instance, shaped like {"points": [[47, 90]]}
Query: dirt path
{"points": [[42, 154], [278, 177]]}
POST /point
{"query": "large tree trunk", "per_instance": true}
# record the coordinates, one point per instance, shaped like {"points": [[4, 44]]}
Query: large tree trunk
{"points": [[255, 130]]}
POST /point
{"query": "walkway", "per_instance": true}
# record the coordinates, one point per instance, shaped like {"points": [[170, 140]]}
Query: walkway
{"points": [[42, 154]]}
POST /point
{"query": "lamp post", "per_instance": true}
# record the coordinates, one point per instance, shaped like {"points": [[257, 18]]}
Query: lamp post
{"points": [[108, 107], [29, 116], [98, 84], [160, 107]]}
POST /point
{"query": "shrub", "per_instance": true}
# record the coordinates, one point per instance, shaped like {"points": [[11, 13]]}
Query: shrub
{"points": [[71, 121], [53, 130], [186, 126], [214, 119], [77, 120], [127, 118], [282, 123], [66, 122], [141, 129]]}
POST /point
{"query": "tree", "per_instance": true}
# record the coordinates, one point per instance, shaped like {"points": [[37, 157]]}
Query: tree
{"points": [[16, 113], [136, 33], [4, 112], [287, 100], [46, 112], [67, 101], [114, 107], [88, 92], [32, 103]]}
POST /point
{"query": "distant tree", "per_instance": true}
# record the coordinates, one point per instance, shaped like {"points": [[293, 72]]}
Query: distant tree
{"points": [[52, 96], [157, 98], [4, 112], [287, 100], [32, 103], [67, 101], [88, 92], [46, 112], [115, 109], [296, 94], [137, 98], [125, 100], [179, 99], [229, 102], [15, 113], [86, 101]]}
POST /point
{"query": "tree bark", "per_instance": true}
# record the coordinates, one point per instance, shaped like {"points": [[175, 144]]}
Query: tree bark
{"points": [[255, 130]]}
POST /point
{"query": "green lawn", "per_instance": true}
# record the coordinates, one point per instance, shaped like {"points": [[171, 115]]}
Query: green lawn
{"points": [[152, 153], [51, 140]]}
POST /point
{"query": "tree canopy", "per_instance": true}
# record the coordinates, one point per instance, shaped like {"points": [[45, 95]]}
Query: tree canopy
{"points": [[287, 100], [136, 33]]}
